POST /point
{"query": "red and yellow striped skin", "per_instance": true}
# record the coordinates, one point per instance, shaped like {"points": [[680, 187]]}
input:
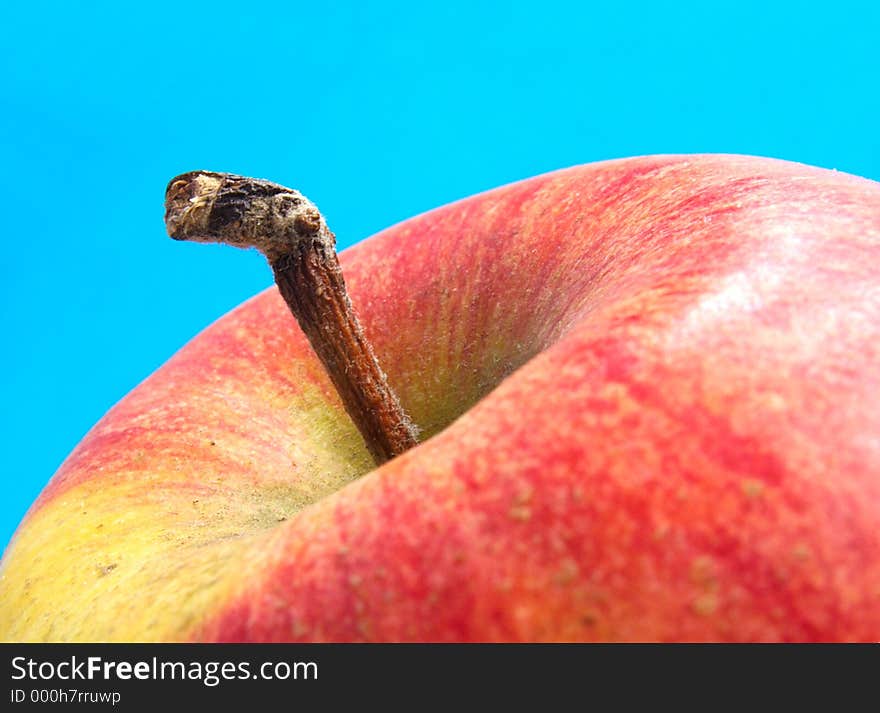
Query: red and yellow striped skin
{"points": [[647, 390]]}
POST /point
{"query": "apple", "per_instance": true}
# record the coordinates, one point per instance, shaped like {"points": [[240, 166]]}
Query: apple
{"points": [[648, 392]]}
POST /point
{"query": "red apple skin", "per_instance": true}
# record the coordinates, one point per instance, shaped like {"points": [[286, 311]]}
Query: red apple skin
{"points": [[665, 373]]}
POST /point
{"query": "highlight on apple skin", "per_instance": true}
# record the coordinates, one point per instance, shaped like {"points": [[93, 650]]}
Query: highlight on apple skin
{"points": [[647, 392]]}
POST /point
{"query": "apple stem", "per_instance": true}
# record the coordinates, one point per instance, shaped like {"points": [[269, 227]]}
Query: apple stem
{"points": [[291, 232]]}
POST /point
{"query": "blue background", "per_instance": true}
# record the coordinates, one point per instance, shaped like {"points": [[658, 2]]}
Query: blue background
{"points": [[377, 111]]}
